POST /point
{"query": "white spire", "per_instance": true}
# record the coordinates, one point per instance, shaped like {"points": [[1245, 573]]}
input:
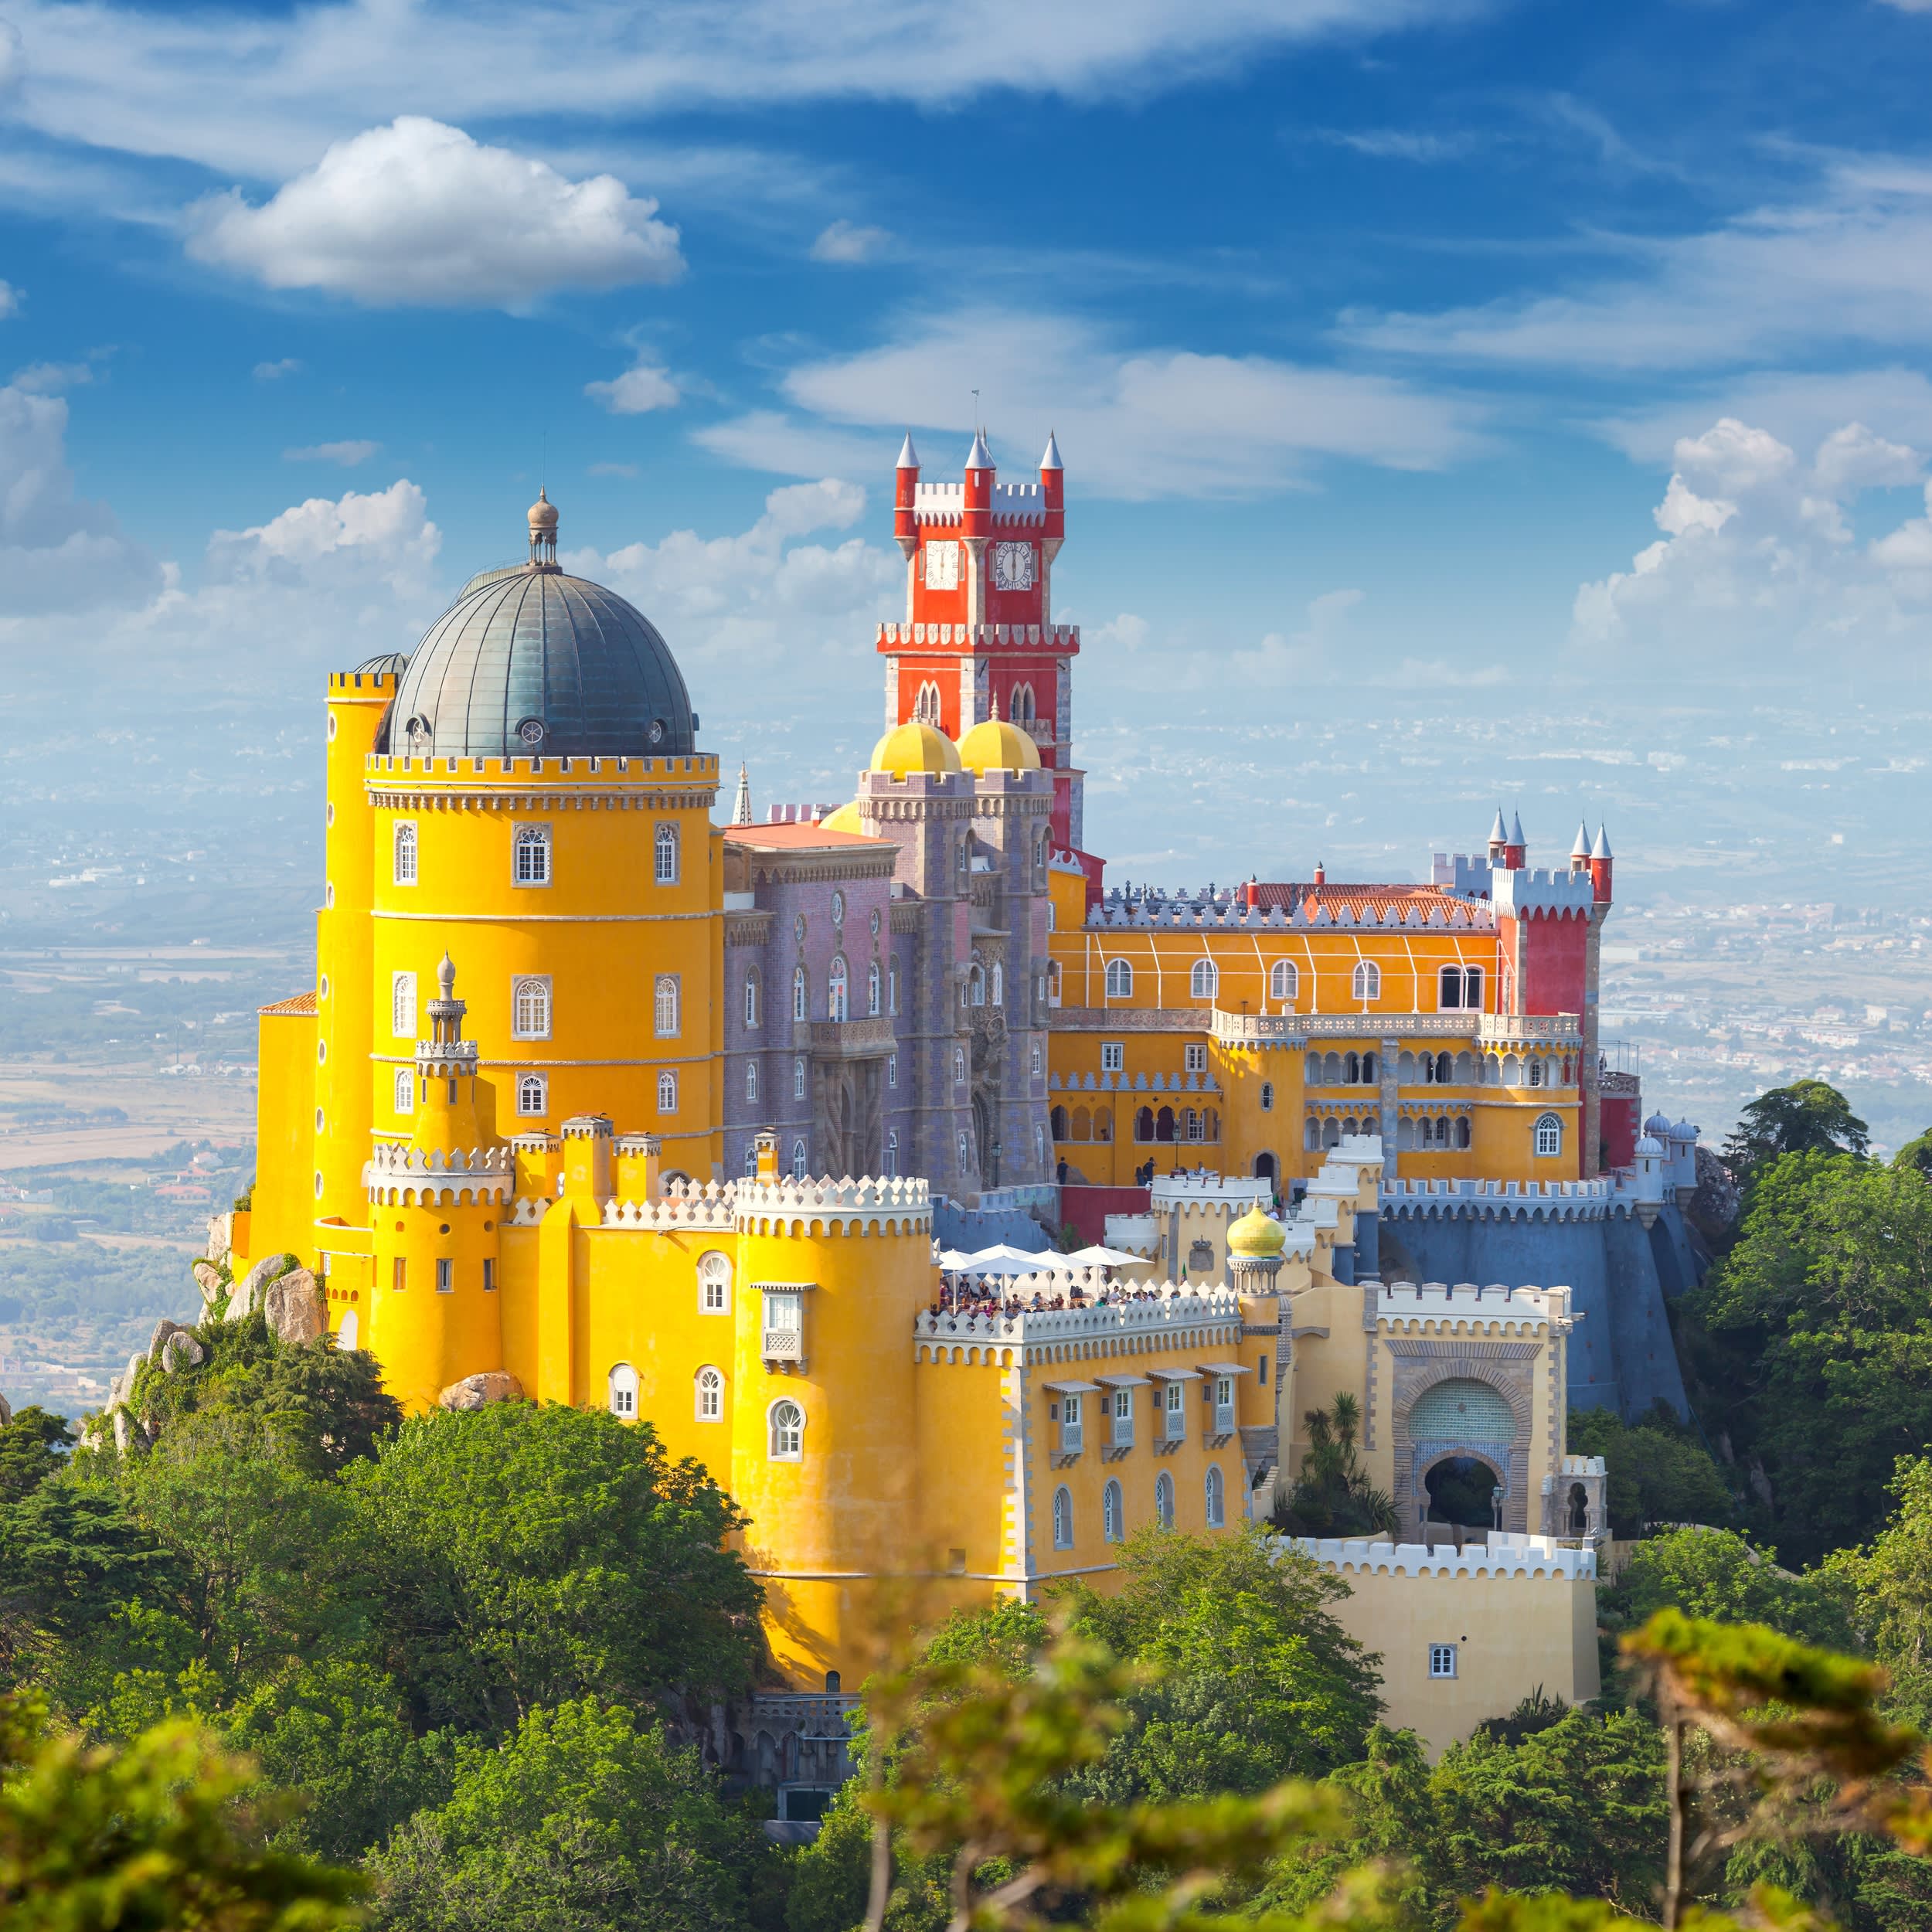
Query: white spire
{"points": [[1499, 832], [1051, 460], [908, 456], [979, 457], [1515, 829], [1601, 849], [1580, 850], [741, 812]]}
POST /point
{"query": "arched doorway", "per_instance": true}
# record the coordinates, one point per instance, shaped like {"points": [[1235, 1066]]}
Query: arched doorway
{"points": [[1464, 1492], [1266, 1168], [1460, 1433], [1577, 1511]]}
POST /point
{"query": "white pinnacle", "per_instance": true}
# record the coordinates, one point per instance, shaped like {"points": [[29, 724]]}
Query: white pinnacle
{"points": [[908, 456], [1498, 835], [1581, 849], [979, 457], [1601, 849], [1051, 460], [741, 812]]}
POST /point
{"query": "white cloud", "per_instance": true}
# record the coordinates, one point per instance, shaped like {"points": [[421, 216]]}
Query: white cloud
{"points": [[57, 552], [347, 454], [1759, 569], [139, 79], [1135, 424], [274, 371], [612, 469], [845, 242], [50, 378], [9, 301], [641, 388], [417, 212], [1850, 265], [1403, 143], [383, 537], [13, 58]]}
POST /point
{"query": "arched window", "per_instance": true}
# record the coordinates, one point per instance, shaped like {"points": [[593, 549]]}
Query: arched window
{"points": [[797, 1160], [531, 1005], [1462, 1132], [710, 1395], [1112, 1516], [1313, 1137], [405, 1091], [1144, 1123], [1449, 997], [800, 994], [667, 1093], [1203, 981], [751, 1161], [1370, 1069], [1021, 704], [665, 1007], [892, 1151], [872, 987], [959, 1066], [1536, 1072], [751, 1081], [1058, 1122], [998, 985], [1472, 988], [798, 1080], [787, 1422], [1062, 1519], [976, 985], [1217, 1505], [1550, 1136], [1103, 1124], [664, 850], [963, 1152], [402, 1004], [926, 707], [404, 849], [624, 1390], [836, 1004], [1368, 979], [532, 1095], [1120, 979], [1350, 1069], [533, 855], [1037, 1065], [1284, 983], [1267, 1096], [892, 987], [751, 999], [714, 1283]]}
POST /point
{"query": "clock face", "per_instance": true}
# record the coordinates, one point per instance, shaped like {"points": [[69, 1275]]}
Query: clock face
{"points": [[942, 567], [1012, 567]]}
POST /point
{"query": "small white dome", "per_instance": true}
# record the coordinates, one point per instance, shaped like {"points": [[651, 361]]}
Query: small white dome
{"points": [[1649, 1144]]}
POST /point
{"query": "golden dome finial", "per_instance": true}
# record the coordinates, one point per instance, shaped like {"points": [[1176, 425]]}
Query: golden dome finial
{"points": [[542, 519], [1257, 1236]]}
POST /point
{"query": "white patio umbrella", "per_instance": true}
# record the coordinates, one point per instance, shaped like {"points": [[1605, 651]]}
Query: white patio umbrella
{"points": [[1100, 1257], [1002, 1261], [955, 1259]]}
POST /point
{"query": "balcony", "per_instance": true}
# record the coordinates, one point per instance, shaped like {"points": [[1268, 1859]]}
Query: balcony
{"points": [[852, 1039], [784, 1345], [1564, 1030]]}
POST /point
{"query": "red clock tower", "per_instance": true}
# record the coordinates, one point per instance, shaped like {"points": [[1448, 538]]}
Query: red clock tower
{"points": [[979, 636]]}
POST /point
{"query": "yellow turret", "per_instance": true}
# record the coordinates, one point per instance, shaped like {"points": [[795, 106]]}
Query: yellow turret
{"points": [[914, 746], [996, 744]]}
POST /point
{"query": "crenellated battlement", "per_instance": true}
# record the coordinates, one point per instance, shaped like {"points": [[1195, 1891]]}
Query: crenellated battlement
{"points": [[1466, 1306], [1503, 1555], [1227, 912], [1063, 639], [1552, 894]]}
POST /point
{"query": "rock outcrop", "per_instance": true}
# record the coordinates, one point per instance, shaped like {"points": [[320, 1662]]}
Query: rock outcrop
{"points": [[249, 1291], [293, 1304], [182, 1351], [477, 1392], [212, 1282], [220, 1235], [6, 1414]]}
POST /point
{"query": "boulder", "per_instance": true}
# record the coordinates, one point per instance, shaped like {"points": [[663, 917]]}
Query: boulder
{"points": [[6, 1414], [477, 1392], [158, 1340], [293, 1303], [182, 1351], [213, 1285], [124, 1432], [247, 1296], [220, 1230]]}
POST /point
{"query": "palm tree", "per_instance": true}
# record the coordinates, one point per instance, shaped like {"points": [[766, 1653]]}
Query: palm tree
{"points": [[1333, 1496]]}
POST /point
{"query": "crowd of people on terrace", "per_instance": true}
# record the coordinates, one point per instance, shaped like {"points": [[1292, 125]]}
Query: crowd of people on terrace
{"points": [[965, 1296]]}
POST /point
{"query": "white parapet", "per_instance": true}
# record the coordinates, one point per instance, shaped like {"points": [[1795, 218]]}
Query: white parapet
{"points": [[1505, 1554]]}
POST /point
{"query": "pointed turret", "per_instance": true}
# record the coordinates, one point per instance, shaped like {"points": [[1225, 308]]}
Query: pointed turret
{"points": [[1516, 853], [1051, 460], [741, 812], [1599, 868], [1052, 496], [979, 457], [906, 499], [1580, 847], [1498, 838]]}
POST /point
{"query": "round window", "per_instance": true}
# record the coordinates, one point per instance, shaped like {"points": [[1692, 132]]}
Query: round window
{"points": [[838, 909], [530, 731], [658, 728], [798, 929], [875, 922]]}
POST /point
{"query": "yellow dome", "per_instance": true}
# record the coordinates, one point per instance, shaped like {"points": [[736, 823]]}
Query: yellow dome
{"points": [[996, 744], [914, 747], [845, 819], [1256, 1235]]}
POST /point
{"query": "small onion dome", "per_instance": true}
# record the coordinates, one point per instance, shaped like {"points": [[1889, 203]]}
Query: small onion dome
{"points": [[542, 513], [845, 819], [1649, 1144], [1658, 1123], [1256, 1235], [914, 746], [996, 744]]}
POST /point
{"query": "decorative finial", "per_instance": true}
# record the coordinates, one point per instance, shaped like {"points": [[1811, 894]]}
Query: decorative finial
{"points": [[996, 714], [446, 977], [543, 522], [741, 812]]}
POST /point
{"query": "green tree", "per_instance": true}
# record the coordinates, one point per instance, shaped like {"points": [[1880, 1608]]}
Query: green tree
{"points": [[1808, 1117], [1892, 1586], [1658, 1471], [33, 1446], [1917, 1153], [154, 1836], [1823, 1309], [1333, 1496], [1717, 1574], [581, 1819], [522, 1555]]}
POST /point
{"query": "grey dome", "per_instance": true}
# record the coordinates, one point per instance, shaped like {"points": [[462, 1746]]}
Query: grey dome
{"points": [[531, 662], [387, 663]]}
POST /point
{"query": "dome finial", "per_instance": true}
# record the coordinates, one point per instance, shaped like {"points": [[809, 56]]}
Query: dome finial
{"points": [[543, 521]]}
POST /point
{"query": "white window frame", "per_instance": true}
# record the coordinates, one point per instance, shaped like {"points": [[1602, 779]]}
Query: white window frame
{"points": [[1442, 1660], [533, 1020], [403, 869], [1062, 1518], [620, 1386], [1174, 1413], [1547, 1143], [405, 1091], [666, 853], [789, 1446], [959, 1066], [525, 1083], [1112, 1056], [1215, 1498], [1164, 1500], [1113, 1511], [402, 1006], [891, 986], [1194, 1059], [1203, 980], [1267, 1096], [798, 1080], [838, 989], [892, 1070], [1120, 979], [873, 980], [892, 1153], [800, 994], [534, 841], [1367, 983], [798, 1160], [714, 1283], [1284, 981], [752, 990], [707, 1389], [751, 1083], [667, 1093], [997, 988], [667, 1005], [445, 1275]]}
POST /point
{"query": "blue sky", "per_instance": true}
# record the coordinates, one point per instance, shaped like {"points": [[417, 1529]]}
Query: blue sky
{"points": [[1512, 355]]}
